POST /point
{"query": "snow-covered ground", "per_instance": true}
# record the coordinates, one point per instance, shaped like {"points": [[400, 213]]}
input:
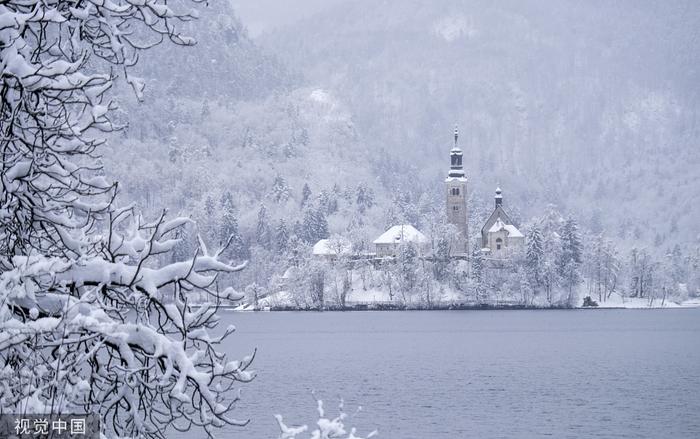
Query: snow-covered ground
{"points": [[442, 297], [617, 301]]}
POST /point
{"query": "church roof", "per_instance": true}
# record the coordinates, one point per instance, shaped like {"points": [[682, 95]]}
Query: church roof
{"points": [[512, 231], [400, 233], [332, 247], [497, 226]]}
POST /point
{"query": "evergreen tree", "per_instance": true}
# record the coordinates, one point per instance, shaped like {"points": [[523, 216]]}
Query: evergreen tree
{"points": [[262, 230], [297, 230], [407, 208], [678, 269], [364, 198], [477, 275], [209, 206], [534, 257], [229, 230], [442, 258], [406, 262], [280, 192], [571, 247], [321, 224], [294, 246], [315, 225], [281, 236], [570, 258], [305, 194], [324, 200], [227, 201]]}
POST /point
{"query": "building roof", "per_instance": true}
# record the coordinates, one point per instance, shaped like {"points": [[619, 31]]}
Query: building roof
{"points": [[512, 231], [334, 246], [400, 233]]}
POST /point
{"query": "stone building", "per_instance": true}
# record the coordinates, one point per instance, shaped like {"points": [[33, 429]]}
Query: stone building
{"points": [[500, 239], [387, 244], [456, 197]]}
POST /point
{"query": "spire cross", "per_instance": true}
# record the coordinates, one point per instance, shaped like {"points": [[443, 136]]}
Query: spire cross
{"points": [[456, 135]]}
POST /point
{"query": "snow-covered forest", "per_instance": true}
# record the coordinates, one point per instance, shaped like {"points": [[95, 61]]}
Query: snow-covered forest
{"points": [[337, 126]]}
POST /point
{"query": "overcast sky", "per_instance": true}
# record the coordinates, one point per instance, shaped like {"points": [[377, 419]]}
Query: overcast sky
{"points": [[264, 15]]}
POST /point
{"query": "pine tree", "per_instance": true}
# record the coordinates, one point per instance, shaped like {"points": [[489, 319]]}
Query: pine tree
{"points": [[263, 234], [534, 257], [364, 198], [407, 208], [571, 247], [321, 224], [209, 206], [570, 258], [678, 266], [281, 236], [406, 262], [477, 275], [328, 202], [280, 192], [295, 249], [226, 201], [298, 230], [314, 226], [229, 231], [442, 258], [305, 194]]}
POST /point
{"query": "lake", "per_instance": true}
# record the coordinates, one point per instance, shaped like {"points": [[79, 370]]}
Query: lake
{"points": [[476, 374]]}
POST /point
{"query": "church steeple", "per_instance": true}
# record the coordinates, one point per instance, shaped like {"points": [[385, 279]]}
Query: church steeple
{"points": [[456, 168], [499, 197], [456, 188]]}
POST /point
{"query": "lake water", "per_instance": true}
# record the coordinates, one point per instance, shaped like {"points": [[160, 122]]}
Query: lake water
{"points": [[476, 374]]}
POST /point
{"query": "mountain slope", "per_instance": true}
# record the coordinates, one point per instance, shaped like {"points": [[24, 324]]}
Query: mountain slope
{"points": [[592, 106]]}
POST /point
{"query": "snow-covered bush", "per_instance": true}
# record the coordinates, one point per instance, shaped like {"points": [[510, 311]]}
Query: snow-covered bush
{"points": [[95, 312], [327, 428]]}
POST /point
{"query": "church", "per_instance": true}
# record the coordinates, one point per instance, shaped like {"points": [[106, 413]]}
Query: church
{"points": [[500, 238]]}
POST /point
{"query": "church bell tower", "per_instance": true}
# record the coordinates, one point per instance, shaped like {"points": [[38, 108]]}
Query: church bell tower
{"points": [[456, 194]]}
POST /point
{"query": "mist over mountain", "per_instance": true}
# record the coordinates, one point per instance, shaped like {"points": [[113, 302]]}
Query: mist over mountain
{"points": [[340, 124], [227, 116], [592, 106]]}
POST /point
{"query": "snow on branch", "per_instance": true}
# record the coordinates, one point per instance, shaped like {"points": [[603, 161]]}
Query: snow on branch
{"points": [[328, 428], [95, 313]]}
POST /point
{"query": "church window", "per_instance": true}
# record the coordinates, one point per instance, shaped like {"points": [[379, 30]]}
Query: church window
{"points": [[499, 242], [455, 191], [455, 208]]}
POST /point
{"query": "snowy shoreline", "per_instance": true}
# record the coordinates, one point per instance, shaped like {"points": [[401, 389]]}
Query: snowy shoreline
{"points": [[630, 304]]}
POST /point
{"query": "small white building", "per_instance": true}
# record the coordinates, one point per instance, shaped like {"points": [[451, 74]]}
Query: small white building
{"points": [[332, 248], [388, 242], [500, 239]]}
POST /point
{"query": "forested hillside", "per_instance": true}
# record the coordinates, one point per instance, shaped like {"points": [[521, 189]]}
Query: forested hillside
{"points": [[341, 124], [592, 106]]}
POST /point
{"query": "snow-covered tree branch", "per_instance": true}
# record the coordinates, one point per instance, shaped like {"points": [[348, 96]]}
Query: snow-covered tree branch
{"points": [[92, 317]]}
